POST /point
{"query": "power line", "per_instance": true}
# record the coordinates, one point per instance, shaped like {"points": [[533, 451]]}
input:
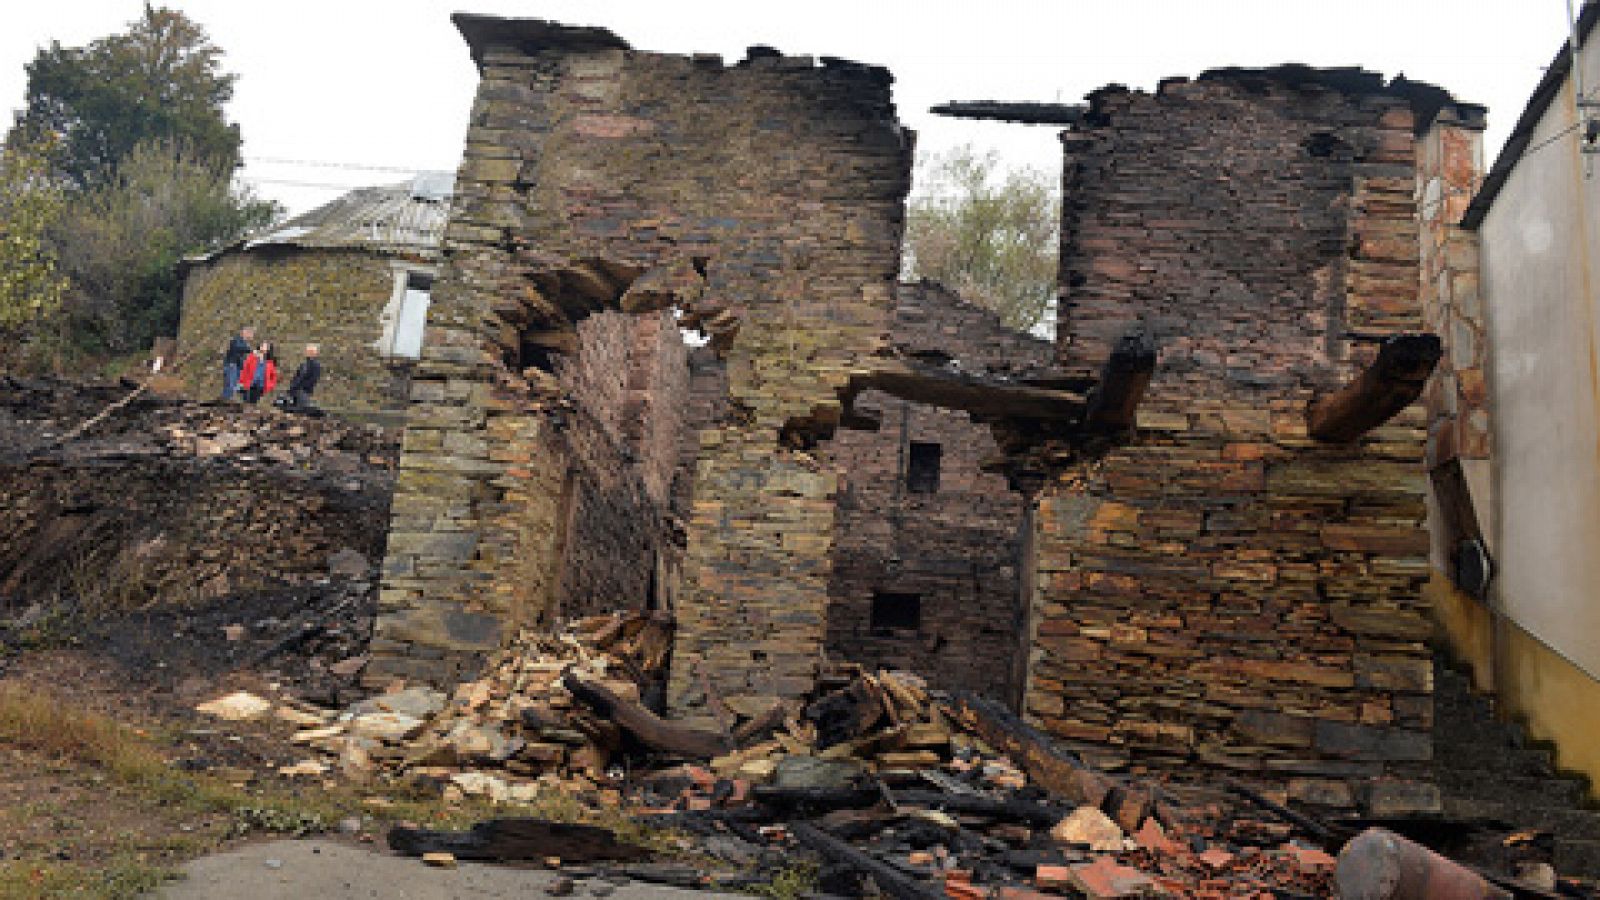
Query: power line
{"points": [[283, 182], [1552, 139], [330, 164]]}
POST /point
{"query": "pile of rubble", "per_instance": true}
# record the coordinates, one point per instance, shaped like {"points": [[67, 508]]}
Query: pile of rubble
{"points": [[890, 787], [89, 516], [513, 733]]}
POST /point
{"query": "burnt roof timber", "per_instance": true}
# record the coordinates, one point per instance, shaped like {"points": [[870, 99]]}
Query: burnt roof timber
{"points": [[1021, 113]]}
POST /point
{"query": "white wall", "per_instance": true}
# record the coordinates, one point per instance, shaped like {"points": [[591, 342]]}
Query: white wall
{"points": [[1539, 257]]}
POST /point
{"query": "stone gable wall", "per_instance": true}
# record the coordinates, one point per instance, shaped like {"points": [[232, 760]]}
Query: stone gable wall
{"points": [[1226, 591]]}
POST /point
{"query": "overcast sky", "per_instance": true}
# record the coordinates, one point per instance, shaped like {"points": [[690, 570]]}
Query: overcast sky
{"points": [[389, 82]]}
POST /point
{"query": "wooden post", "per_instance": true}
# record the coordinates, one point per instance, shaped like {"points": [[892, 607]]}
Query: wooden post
{"points": [[1390, 384]]}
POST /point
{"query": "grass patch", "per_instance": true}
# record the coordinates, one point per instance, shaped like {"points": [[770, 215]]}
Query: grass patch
{"points": [[21, 879], [127, 767], [789, 883]]}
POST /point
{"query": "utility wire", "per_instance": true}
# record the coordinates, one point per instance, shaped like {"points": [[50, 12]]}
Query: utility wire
{"points": [[329, 164], [282, 182], [1552, 139]]}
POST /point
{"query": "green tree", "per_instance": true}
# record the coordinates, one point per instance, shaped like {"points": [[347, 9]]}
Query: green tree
{"points": [[121, 241], [161, 79], [31, 287], [991, 236]]}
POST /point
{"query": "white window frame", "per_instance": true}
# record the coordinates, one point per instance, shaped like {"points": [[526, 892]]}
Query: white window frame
{"points": [[388, 343]]}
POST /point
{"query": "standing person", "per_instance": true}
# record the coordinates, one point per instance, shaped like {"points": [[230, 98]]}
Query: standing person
{"points": [[305, 378], [260, 373], [233, 360]]}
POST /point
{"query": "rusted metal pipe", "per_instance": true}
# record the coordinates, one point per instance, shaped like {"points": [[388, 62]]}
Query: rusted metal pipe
{"points": [[1381, 865]]}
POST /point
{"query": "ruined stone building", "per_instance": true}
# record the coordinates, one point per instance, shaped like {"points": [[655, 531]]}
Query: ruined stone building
{"points": [[1234, 583], [353, 276]]}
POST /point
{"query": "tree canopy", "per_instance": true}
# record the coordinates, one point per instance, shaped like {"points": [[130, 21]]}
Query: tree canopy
{"points": [[30, 285], [990, 235], [138, 175], [120, 241], [162, 79]]}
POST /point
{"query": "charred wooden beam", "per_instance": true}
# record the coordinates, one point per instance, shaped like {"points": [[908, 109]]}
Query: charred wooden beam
{"points": [[1045, 763], [1022, 113], [983, 397], [1390, 384], [1322, 831], [1012, 809], [1381, 865], [1115, 400], [645, 726], [817, 800], [516, 839], [890, 881]]}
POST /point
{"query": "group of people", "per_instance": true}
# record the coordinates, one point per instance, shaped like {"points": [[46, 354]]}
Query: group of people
{"points": [[250, 372]]}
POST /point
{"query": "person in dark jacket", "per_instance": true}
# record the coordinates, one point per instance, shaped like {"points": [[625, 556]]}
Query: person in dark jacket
{"points": [[233, 360], [305, 378], [260, 373]]}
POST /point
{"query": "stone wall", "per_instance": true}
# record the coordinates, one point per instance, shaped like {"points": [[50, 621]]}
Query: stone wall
{"points": [[763, 198], [294, 297], [1225, 590], [1449, 170], [958, 548], [627, 385]]}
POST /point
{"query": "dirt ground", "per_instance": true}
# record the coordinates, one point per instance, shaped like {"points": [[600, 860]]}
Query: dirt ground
{"points": [[83, 814], [338, 870]]}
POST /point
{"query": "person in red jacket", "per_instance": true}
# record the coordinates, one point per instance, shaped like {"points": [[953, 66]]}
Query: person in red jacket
{"points": [[259, 374]]}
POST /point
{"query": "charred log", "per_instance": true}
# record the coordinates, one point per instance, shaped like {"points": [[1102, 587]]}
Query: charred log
{"points": [[1127, 373], [888, 879], [514, 839], [1390, 384], [645, 726], [1047, 764]]}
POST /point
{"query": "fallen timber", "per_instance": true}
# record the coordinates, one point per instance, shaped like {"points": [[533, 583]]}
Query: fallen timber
{"points": [[1382, 865], [509, 839], [891, 882]]}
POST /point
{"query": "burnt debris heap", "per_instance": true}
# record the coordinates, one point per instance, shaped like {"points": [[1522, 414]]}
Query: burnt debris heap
{"points": [[1141, 538]]}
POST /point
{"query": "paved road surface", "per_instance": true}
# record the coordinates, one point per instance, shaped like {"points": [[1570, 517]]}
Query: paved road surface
{"points": [[331, 870]]}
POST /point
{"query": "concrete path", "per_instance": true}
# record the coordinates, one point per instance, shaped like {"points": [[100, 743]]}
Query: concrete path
{"points": [[331, 870]]}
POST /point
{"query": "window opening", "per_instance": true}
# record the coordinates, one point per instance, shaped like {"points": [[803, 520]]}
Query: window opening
{"points": [[413, 316], [922, 469], [896, 611]]}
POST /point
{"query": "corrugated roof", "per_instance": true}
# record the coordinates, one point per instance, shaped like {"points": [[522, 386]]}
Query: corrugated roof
{"points": [[407, 218]]}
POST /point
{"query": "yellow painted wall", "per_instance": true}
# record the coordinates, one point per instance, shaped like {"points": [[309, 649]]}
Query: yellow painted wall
{"points": [[1555, 700], [1466, 627]]}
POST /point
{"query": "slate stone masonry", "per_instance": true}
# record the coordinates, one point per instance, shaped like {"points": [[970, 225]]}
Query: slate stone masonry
{"points": [[294, 297], [589, 164], [957, 548], [1226, 591]]}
